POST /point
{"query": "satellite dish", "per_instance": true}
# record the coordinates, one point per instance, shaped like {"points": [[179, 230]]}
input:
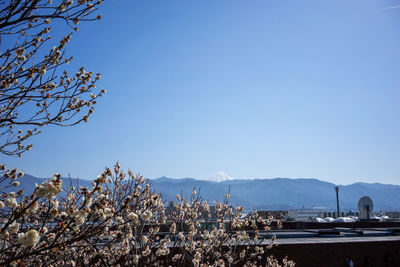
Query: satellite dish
{"points": [[365, 205]]}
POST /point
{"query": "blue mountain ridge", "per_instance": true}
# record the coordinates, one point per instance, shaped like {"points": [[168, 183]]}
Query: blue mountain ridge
{"points": [[273, 194], [282, 193]]}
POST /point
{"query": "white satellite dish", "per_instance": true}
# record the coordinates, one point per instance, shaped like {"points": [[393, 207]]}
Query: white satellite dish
{"points": [[365, 205]]}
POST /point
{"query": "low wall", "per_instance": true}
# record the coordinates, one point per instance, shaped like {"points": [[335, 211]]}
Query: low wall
{"points": [[382, 253]]}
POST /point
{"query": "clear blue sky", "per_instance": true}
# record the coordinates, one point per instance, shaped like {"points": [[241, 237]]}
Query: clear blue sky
{"points": [[257, 89]]}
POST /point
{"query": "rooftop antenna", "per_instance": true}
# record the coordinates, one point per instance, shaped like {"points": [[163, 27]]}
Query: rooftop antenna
{"points": [[365, 205], [337, 200]]}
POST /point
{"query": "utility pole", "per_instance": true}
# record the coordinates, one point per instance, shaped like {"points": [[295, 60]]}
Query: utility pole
{"points": [[337, 200]]}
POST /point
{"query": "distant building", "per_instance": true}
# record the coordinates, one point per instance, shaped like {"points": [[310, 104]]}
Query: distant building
{"points": [[303, 215], [333, 214], [169, 210], [277, 214], [393, 214], [311, 214]]}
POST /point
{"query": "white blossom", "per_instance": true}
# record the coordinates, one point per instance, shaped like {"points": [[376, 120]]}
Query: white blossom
{"points": [[11, 202], [133, 216], [13, 228], [49, 188], [146, 215], [29, 239]]}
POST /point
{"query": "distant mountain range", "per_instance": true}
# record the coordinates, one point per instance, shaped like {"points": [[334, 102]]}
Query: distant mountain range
{"points": [[272, 194], [283, 193]]}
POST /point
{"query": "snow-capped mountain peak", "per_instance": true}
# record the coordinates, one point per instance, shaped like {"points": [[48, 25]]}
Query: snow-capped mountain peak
{"points": [[219, 177]]}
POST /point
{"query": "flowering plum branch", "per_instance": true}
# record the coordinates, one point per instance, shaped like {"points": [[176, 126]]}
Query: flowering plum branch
{"points": [[119, 221], [34, 89]]}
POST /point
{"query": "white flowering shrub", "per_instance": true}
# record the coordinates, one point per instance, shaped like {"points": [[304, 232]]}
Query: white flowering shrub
{"points": [[120, 221], [36, 89]]}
